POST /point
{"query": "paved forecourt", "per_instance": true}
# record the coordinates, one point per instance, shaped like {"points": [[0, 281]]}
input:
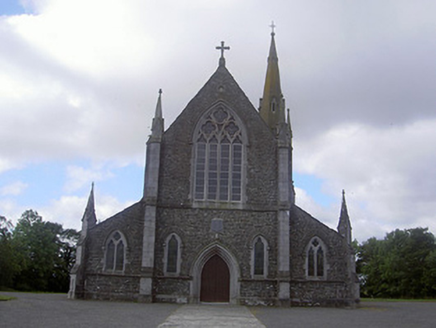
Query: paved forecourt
{"points": [[212, 315], [55, 310]]}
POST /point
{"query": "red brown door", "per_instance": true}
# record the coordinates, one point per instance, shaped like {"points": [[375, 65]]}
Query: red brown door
{"points": [[215, 281]]}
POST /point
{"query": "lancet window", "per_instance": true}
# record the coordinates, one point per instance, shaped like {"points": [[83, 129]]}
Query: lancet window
{"points": [[259, 257], [115, 252], [172, 254], [315, 259]]}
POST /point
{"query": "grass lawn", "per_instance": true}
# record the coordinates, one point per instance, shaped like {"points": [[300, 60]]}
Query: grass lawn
{"points": [[396, 300], [6, 298]]}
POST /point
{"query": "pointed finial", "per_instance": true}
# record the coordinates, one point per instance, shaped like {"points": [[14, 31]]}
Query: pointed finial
{"points": [[158, 112], [344, 204], [222, 61], [344, 226], [89, 217], [273, 26]]}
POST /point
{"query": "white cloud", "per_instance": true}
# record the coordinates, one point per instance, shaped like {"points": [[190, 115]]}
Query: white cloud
{"points": [[79, 81], [385, 171], [13, 189], [78, 177], [68, 210]]}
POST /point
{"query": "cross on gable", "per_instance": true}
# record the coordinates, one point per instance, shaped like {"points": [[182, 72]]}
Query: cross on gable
{"points": [[222, 48], [222, 61], [273, 26]]}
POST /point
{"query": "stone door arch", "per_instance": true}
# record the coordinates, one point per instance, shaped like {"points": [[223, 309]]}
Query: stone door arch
{"points": [[233, 268]]}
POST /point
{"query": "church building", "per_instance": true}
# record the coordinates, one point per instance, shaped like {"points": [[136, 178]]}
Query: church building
{"points": [[218, 221]]}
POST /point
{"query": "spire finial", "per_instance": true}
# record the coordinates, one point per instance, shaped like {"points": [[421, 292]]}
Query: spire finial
{"points": [[222, 61], [158, 112], [273, 26], [344, 226], [89, 219]]}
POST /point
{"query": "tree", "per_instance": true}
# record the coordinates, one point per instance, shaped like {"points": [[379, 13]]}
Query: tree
{"points": [[47, 253], [402, 265], [9, 258]]}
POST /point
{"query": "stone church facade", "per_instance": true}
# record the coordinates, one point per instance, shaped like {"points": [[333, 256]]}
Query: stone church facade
{"points": [[218, 220]]}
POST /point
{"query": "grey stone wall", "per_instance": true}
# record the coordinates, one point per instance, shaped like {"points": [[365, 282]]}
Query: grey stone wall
{"points": [[102, 285], [337, 289], [193, 227], [171, 290], [176, 160], [259, 292], [320, 293], [112, 287], [303, 227]]}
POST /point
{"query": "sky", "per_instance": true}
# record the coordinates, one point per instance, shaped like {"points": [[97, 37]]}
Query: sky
{"points": [[79, 82]]}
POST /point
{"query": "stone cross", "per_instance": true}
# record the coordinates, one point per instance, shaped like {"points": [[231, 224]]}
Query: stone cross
{"points": [[222, 48], [273, 26]]}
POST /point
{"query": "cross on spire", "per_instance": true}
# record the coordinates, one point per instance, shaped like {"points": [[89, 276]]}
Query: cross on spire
{"points": [[222, 48], [273, 26]]}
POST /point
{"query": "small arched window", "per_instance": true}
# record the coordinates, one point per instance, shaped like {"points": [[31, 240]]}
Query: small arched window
{"points": [[115, 252], [172, 254], [259, 257], [219, 156], [273, 105], [315, 259]]}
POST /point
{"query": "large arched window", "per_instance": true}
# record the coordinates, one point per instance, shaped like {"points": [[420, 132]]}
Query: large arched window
{"points": [[259, 256], [219, 157], [172, 255], [115, 252], [315, 268]]}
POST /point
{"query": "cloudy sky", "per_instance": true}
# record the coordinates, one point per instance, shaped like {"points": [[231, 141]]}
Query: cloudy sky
{"points": [[79, 82]]}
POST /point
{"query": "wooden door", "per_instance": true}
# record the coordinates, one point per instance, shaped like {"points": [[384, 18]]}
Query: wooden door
{"points": [[215, 281]]}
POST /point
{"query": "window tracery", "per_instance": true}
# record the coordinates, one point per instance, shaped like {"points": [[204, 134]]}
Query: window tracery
{"points": [[115, 252], [315, 259], [219, 158]]}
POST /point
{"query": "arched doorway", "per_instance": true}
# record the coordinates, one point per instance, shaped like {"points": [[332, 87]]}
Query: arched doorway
{"points": [[230, 261], [215, 281]]}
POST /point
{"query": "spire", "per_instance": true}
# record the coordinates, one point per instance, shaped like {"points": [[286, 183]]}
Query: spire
{"points": [[344, 226], [89, 218], [158, 122], [272, 105]]}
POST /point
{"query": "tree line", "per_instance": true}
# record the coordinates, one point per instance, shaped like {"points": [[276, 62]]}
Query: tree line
{"points": [[37, 255]]}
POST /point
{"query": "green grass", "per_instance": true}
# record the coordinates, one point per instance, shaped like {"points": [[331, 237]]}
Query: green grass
{"points": [[363, 299], [6, 298]]}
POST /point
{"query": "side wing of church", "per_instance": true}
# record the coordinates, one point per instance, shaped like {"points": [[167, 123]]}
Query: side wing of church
{"points": [[218, 220]]}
